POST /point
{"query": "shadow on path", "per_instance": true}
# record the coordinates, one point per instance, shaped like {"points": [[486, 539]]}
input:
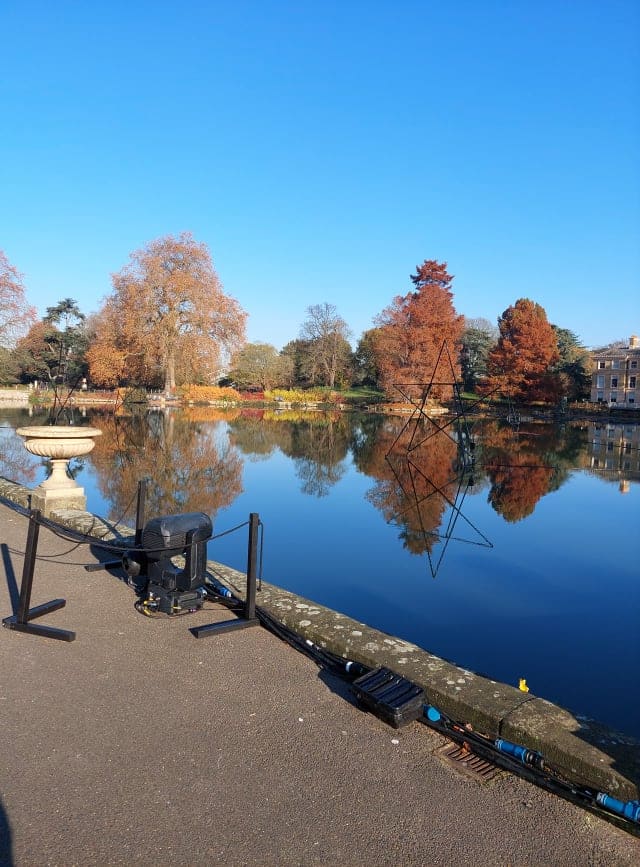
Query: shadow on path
{"points": [[6, 855]]}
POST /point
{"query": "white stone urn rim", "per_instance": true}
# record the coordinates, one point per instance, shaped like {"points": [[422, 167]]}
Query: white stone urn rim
{"points": [[58, 444], [57, 431]]}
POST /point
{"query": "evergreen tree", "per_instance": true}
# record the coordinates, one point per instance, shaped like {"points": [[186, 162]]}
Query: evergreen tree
{"points": [[521, 363], [414, 328]]}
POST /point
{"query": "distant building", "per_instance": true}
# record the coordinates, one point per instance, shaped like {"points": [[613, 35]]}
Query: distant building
{"points": [[615, 375]]}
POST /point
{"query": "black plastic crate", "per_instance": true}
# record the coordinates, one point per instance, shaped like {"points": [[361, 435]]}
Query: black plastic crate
{"points": [[393, 698]]}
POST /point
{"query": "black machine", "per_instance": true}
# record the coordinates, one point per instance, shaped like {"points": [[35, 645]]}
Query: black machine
{"points": [[163, 586]]}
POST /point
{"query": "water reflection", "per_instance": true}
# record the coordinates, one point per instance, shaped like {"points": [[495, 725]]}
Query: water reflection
{"points": [[422, 471], [432, 462], [318, 444], [16, 463], [545, 495], [191, 465], [614, 453], [526, 463]]}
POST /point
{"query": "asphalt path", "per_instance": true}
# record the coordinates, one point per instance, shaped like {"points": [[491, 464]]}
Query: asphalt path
{"points": [[139, 744]]}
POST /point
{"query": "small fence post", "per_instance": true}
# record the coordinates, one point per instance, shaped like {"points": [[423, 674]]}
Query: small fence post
{"points": [[249, 617], [252, 566], [140, 510]]}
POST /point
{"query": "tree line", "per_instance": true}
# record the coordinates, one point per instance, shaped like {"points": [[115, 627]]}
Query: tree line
{"points": [[168, 322]]}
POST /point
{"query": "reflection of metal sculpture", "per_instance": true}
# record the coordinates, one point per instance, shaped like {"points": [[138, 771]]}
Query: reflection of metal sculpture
{"points": [[521, 483], [404, 458]]}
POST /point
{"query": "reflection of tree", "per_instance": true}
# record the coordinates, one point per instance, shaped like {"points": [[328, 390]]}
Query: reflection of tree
{"points": [[190, 468], [520, 467], [319, 451], [413, 487], [16, 463], [256, 436], [516, 488], [317, 442]]}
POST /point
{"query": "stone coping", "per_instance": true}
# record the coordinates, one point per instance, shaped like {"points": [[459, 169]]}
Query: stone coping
{"points": [[581, 749]]}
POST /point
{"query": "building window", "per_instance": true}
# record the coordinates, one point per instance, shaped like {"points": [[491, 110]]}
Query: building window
{"points": [[632, 382], [632, 400], [609, 447], [614, 397], [600, 396], [602, 365], [599, 381], [627, 448], [615, 364], [634, 365]]}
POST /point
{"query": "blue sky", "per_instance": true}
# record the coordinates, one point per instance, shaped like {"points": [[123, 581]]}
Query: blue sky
{"points": [[323, 149]]}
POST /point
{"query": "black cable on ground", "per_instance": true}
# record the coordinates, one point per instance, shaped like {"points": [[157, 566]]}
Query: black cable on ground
{"points": [[517, 760], [531, 767]]}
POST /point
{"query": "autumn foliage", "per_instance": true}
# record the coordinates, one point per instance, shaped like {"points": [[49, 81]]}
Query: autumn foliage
{"points": [[415, 472], [210, 394], [16, 316], [518, 472], [191, 470], [519, 366], [412, 331], [167, 321]]}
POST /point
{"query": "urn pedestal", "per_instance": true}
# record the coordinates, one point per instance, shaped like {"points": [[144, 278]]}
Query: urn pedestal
{"points": [[58, 443]]}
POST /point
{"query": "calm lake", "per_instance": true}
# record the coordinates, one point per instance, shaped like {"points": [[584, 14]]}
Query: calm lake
{"points": [[511, 549]]}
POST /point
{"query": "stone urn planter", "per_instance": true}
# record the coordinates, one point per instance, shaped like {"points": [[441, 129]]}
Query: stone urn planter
{"points": [[58, 443]]}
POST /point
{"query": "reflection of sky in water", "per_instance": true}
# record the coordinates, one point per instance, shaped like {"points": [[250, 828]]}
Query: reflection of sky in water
{"points": [[556, 600]]}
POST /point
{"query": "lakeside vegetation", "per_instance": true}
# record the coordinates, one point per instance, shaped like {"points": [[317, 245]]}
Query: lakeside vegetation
{"points": [[168, 326]]}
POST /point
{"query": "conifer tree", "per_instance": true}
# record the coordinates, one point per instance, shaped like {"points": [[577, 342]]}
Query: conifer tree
{"points": [[412, 330], [520, 364]]}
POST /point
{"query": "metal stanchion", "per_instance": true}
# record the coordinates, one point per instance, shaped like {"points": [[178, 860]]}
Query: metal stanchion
{"points": [[248, 618], [140, 510], [21, 621]]}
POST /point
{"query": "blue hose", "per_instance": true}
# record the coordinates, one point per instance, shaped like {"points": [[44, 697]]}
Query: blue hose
{"points": [[627, 809], [522, 754]]}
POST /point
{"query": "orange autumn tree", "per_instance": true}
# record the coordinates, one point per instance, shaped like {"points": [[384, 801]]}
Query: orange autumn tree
{"points": [[168, 317], [412, 330], [16, 316], [519, 365]]}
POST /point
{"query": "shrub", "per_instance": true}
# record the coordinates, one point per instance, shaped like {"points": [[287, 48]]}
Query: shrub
{"points": [[210, 394], [298, 395]]}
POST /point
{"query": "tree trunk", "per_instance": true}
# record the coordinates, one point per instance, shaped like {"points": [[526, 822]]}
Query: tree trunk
{"points": [[170, 374]]}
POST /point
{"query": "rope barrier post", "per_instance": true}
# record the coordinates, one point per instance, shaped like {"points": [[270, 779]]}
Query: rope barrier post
{"points": [[140, 510], [141, 501], [249, 618], [252, 567], [21, 621], [28, 567]]}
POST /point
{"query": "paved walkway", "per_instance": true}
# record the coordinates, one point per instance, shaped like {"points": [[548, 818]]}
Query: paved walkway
{"points": [[138, 744]]}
